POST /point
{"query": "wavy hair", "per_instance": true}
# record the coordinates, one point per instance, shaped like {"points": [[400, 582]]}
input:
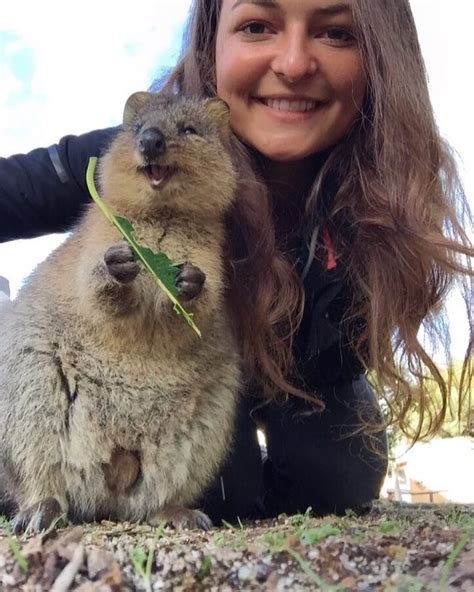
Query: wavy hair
{"points": [[396, 218]]}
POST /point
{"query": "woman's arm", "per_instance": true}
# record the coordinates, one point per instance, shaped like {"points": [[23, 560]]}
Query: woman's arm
{"points": [[44, 191]]}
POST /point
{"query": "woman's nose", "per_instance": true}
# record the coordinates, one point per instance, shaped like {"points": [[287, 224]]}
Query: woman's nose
{"points": [[294, 59]]}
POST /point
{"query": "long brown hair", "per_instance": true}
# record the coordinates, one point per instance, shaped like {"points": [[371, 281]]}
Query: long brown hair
{"points": [[396, 219]]}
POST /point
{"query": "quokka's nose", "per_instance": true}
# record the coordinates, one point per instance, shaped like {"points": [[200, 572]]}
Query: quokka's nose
{"points": [[152, 143]]}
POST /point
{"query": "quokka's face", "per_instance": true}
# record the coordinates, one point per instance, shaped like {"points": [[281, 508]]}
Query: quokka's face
{"points": [[179, 148]]}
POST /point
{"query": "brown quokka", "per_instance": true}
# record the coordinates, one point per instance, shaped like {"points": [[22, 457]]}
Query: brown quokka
{"points": [[110, 405]]}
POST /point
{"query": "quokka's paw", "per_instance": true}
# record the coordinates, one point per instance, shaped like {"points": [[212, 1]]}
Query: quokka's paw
{"points": [[121, 263], [181, 518], [189, 281], [37, 517]]}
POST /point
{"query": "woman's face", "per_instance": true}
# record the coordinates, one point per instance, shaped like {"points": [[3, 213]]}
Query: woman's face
{"points": [[291, 73]]}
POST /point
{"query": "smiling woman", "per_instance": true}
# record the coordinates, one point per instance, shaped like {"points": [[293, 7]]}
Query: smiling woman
{"points": [[291, 73], [349, 226]]}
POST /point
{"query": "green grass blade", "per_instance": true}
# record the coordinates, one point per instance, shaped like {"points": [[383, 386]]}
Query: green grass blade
{"points": [[14, 546], [450, 561], [158, 264]]}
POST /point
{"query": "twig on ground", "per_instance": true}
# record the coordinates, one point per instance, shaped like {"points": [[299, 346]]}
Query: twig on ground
{"points": [[65, 579]]}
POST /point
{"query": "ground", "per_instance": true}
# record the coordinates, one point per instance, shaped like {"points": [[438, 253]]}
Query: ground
{"points": [[396, 547]]}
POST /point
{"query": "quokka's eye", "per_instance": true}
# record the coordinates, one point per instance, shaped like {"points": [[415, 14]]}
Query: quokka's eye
{"points": [[189, 130]]}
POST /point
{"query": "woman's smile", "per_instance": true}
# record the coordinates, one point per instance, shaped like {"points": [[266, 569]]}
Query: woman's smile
{"points": [[289, 109]]}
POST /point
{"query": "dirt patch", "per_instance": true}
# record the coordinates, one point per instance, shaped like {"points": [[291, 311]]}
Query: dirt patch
{"points": [[397, 547]]}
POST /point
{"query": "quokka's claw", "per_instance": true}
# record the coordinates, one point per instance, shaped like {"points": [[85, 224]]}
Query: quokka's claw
{"points": [[37, 517], [182, 518]]}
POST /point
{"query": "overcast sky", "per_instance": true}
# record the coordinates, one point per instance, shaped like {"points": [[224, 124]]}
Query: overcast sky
{"points": [[68, 67]]}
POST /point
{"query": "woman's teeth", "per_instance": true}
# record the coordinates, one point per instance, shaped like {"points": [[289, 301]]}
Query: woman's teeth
{"points": [[287, 105]]}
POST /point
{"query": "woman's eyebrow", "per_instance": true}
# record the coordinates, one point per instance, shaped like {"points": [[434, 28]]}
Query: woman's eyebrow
{"points": [[329, 10], [269, 3]]}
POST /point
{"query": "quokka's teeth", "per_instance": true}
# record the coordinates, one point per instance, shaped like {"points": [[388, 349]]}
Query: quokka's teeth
{"points": [[157, 174]]}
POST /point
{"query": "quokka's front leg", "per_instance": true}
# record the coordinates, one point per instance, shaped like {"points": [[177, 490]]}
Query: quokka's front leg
{"points": [[113, 280], [121, 290], [189, 281], [121, 263]]}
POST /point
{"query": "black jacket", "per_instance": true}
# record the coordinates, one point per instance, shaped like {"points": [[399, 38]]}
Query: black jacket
{"points": [[45, 191]]}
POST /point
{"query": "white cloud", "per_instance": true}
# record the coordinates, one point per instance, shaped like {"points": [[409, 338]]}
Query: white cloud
{"points": [[89, 57], [445, 31]]}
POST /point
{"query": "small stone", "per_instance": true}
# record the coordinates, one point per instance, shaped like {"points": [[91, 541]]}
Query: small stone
{"points": [[233, 579], [112, 578], [349, 583], [286, 583], [179, 565], [262, 573], [8, 580], [246, 573], [97, 562], [88, 587]]}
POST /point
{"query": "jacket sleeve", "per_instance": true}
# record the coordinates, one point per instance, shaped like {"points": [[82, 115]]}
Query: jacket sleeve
{"points": [[45, 190]]}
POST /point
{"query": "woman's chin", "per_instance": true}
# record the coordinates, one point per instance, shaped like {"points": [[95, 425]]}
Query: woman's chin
{"points": [[285, 151], [285, 156]]}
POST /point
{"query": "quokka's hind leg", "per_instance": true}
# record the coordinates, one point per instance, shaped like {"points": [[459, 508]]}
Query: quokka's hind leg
{"points": [[181, 518], [38, 412], [40, 499], [8, 506], [37, 517]]}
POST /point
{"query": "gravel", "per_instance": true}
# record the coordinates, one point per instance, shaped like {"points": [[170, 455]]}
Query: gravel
{"points": [[396, 547]]}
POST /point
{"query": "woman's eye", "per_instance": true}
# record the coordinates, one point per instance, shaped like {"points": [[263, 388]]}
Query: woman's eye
{"points": [[339, 36], [255, 28], [189, 130]]}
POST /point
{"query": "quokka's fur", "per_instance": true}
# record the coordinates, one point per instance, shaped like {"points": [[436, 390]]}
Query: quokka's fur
{"points": [[109, 403]]}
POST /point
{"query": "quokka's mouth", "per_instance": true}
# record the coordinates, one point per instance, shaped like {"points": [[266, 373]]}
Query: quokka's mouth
{"points": [[157, 174]]}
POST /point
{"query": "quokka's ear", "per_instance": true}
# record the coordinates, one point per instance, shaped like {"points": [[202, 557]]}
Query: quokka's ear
{"points": [[221, 113], [133, 106]]}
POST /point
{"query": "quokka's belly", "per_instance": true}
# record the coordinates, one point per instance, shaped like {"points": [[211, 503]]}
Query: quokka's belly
{"points": [[135, 484], [130, 469]]}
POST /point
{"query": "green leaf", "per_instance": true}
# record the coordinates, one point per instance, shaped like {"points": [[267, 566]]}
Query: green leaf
{"points": [[158, 264]]}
